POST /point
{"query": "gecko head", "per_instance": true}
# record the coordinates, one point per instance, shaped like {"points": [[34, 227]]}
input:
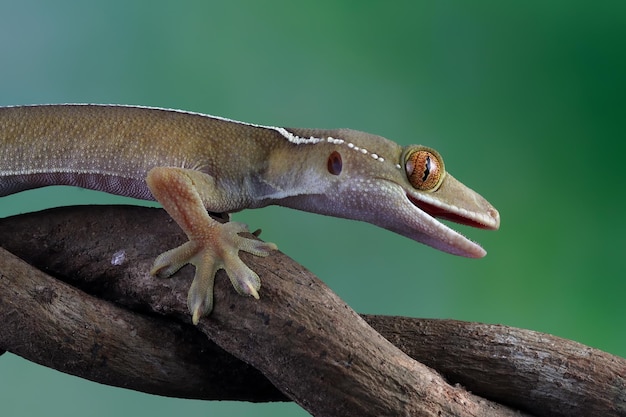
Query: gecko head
{"points": [[429, 187], [435, 194], [402, 189]]}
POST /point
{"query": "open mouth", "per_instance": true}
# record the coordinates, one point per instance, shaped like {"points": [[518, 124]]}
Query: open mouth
{"points": [[460, 216]]}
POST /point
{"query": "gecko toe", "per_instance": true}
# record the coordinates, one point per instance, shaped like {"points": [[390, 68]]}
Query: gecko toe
{"points": [[200, 295], [168, 263], [245, 280]]}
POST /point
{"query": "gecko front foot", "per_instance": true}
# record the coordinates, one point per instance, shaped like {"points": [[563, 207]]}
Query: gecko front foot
{"points": [[219, 249]]}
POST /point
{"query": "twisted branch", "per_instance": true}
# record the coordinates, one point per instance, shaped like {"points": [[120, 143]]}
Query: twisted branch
{"points": [[103, 318]]}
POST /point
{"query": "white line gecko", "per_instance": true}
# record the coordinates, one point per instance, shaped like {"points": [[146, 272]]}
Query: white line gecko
{"points": [[191, 163]]}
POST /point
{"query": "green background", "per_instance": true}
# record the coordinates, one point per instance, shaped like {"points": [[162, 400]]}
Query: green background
{"points": [[525, 100]]}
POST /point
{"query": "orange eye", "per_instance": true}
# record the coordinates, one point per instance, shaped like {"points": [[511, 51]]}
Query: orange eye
{"points": [[424, 169], [334, 163]]}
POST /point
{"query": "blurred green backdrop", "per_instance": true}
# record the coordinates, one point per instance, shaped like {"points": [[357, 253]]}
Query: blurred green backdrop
{"points": [[525, 100]]}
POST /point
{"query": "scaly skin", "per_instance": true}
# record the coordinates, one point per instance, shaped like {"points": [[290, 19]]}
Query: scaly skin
{"points": [[192, 163]]}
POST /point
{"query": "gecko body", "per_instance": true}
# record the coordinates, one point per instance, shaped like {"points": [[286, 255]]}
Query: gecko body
{"points": [[191, 163]]}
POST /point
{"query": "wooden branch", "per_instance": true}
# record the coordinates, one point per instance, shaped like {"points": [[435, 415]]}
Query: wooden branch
{"points": [[54, 324], [300, 335], [543, 374]]}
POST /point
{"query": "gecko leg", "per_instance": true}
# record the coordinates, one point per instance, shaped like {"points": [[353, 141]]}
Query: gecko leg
{"points": [[212, 245]]}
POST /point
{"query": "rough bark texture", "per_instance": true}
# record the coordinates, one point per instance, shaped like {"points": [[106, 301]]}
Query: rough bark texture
{"points": [[54, 324], [300, 336], [543, 374]]}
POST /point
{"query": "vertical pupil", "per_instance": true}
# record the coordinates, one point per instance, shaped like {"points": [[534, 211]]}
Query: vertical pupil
{"points": [[427, 167]]}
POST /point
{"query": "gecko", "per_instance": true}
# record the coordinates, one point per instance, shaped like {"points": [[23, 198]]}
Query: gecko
{"points": [[193, 164]]}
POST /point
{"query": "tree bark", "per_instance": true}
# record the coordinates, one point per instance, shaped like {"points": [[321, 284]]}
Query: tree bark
{"points": [[303, 339], [54, 324]]}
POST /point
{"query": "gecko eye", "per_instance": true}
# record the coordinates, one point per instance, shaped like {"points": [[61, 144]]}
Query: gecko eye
{"points": [[334, 163], [424, 169]]}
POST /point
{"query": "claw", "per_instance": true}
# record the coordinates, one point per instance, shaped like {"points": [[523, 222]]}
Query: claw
{"points": [[195, 317], [253, 292]]}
